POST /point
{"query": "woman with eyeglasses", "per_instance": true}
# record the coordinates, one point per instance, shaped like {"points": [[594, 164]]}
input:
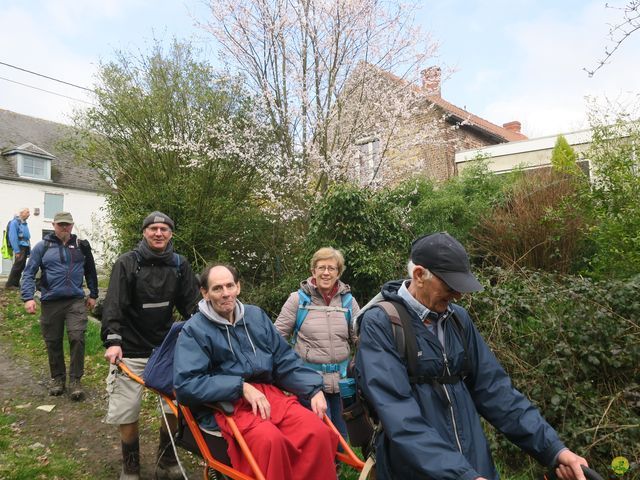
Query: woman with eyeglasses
{"points": [[317, 320]]}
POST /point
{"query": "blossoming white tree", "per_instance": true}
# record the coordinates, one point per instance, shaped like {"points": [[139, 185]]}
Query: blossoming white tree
{"points": [[310, 62]]}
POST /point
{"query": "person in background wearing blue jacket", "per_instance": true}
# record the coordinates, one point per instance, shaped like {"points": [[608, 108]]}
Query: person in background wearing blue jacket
{"points": [[430, 425], [65, 261], [20, 242], [232, 352]]}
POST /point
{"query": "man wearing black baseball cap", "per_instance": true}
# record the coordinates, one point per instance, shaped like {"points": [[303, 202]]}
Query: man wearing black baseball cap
{"points": [[445, 257], [431, 417], [145, 286]]}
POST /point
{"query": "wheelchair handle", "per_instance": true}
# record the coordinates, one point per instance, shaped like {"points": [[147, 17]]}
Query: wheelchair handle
{"points": [[588, 473]]}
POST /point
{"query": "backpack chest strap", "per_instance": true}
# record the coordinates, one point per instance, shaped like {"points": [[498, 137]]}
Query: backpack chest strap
{"points": [[442, 380], [327, 308], [330, 367]]}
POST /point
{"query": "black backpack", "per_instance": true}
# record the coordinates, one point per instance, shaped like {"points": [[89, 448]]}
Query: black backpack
{"points": [[362, 422]]}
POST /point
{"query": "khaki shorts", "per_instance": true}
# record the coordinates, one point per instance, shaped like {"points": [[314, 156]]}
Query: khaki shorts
{"points": [[125, 395]]}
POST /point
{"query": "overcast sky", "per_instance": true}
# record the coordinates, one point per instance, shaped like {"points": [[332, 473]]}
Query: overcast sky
{"points": [[512, 59]]}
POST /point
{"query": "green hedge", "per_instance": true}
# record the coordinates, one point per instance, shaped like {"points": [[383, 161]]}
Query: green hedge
{"points": [[572, 345]]}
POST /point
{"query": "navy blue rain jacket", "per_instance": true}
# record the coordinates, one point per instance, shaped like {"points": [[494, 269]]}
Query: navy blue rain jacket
{"points": [[212, 360], [423, 436]]}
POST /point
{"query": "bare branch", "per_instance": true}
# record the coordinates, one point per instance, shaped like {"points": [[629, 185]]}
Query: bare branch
{"points": [[619, 32]]}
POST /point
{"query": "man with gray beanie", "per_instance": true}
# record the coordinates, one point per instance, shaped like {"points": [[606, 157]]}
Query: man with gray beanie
{"points": [[145, 286], [429, 406]]}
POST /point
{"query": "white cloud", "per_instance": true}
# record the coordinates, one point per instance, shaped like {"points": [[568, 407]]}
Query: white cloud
{"points": [[547, 84]]}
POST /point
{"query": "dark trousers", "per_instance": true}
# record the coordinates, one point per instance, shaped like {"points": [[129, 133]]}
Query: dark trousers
{"points": [[334, 412], [17, 268], [56, 314]]}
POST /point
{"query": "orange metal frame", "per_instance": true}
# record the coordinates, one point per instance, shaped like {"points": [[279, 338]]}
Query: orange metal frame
{"points": [[346, 456]]}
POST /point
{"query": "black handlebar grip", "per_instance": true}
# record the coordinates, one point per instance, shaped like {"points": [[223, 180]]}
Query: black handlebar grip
{"points": [[588, 473]]}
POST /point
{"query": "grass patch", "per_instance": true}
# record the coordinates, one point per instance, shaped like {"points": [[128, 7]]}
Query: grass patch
{"points": [[23, 331], [20, 459]]}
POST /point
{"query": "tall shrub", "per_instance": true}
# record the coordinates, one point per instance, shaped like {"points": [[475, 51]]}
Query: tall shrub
{"points": [[169, 133], [539, 226], [615, 199], [563, 157]]}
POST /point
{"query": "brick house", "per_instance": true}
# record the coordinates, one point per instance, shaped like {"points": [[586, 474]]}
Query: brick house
{"points": [[423, 133]]}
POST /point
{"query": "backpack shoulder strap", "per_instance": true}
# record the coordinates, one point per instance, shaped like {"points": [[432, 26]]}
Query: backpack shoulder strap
{"points": [[84, 246], [177, 261], [138, 262], [48, 244], [459, 328], [404, 335], [347, 302], [303, 302]]}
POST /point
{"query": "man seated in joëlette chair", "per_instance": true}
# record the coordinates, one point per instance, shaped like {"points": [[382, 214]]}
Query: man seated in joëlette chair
{"points": [[230, 351]]}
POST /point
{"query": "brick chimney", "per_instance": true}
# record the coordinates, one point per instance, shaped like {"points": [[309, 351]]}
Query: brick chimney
{"points": [[514, 126], [431, 78]]}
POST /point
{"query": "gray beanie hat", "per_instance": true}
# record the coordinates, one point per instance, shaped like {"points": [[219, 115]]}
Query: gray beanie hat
{"points": [[157, 217]]}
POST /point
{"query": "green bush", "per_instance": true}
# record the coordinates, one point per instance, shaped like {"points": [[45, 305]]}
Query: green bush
{"points": [[572, 345], [614, 199], [457, 205]]}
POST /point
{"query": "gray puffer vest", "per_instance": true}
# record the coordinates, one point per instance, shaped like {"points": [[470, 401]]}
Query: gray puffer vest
{"points": [[324, 337]]}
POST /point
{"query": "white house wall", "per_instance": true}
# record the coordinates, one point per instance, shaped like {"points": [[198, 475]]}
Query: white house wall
{"points": [[86, 207], [532, 153]]}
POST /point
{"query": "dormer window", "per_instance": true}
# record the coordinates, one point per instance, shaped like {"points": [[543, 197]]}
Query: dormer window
{"points": [[34, 167], [31, 161]]}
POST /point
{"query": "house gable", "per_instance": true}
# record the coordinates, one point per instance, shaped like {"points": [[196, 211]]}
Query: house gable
{"points": [[423, 135], [36, 172]]}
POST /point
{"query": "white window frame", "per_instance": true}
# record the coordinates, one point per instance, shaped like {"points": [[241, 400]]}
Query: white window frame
{"points": [[46, 166], [44, 210], [368, 156]]}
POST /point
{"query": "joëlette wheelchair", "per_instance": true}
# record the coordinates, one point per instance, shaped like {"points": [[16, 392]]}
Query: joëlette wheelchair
{"points": [[213, 448]]}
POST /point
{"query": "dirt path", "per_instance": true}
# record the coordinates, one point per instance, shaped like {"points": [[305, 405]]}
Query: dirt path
{"points": [[76, 426]]}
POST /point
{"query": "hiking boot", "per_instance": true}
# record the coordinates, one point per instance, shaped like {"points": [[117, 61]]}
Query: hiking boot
{"points": [[129, 476], [56, 386], [168, 472], [130, 461], [77, 394], [167, 467]]}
